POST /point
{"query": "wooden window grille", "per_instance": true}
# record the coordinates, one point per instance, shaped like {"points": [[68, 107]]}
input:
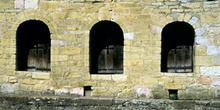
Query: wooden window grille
{"points": [[110, 59], [39, 58], [180, 59]]}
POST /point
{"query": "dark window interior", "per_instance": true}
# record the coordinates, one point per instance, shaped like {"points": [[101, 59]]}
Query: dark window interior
{"points": [[106, 48], [33, 46], [173, 94], [177, 48]]}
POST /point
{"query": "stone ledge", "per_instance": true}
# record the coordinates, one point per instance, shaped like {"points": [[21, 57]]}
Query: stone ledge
{"points": [[81, 103]]}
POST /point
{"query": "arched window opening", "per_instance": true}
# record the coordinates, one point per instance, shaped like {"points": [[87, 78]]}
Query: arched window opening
{"points": [[33, 46], [177, 48], [106, 48]]}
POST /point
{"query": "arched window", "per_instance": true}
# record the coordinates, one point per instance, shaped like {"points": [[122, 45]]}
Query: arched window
{"points": [[177, 48], [33, 46], [106, 48]]}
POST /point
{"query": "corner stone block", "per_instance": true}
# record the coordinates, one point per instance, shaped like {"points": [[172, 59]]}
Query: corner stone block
{"points": [[216, 81], [40, 75], [31, 4], [77, 91], [210, 71], [143, 92], [174, 86], [213, 50], [19, 4]]}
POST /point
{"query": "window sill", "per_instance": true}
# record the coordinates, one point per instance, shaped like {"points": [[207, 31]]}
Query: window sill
{"points": [[34, 75], [177, 74]]}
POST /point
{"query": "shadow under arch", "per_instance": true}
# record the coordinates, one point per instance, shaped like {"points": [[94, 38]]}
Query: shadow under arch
{"points": [[28, 34], [175, 34], [103, 34]]}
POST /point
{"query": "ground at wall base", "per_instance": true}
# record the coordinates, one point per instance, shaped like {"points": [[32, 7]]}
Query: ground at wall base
{"points": [[101, 103]]}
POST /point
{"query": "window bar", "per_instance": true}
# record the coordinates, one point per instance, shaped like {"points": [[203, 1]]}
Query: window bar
{"points": [[175, 61], [184, 56], [47, 54], [191, 48]]}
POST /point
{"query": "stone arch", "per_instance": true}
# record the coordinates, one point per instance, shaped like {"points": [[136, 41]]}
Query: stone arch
{"points": [[94, 18], [33, 15], [106, 48]]}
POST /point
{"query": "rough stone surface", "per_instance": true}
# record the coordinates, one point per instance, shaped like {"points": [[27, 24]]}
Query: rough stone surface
{"points": [[82, 103], [142, 23], [210, 71], [19, 4], [39, 75], [31, 4]]}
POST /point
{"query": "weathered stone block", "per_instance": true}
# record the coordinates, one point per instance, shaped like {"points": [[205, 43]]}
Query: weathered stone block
{"points": [[184, 81], [216, 81], [203, 60], [165, 79], [124, 4], [160, 94], [119, 78], [70, 50], [4, 79], [203, 80], [203, 41], [143, 92], [55, 58], [133, 63], [12, 79], [174, 86], [187, 17], [127, 93], [19, 4], [40, 87], [184, 104], [209, 18], [31, 4], [64, 4], [215, 104], [213, 50], [40, 75], [149, 80], [71, 75], [200, 50], [192, 5], [212, 4], [128, 36], [101, 77], [210, 71], [193, 20], [77, 91], [28, 81], [206, 95], [7, 4]]}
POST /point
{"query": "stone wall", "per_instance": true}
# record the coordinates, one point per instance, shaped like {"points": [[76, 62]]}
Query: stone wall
{"points": [[142, 22]]}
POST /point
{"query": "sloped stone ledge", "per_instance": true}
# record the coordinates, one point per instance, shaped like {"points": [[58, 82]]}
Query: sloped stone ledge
{"points": [[101, 103]]}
